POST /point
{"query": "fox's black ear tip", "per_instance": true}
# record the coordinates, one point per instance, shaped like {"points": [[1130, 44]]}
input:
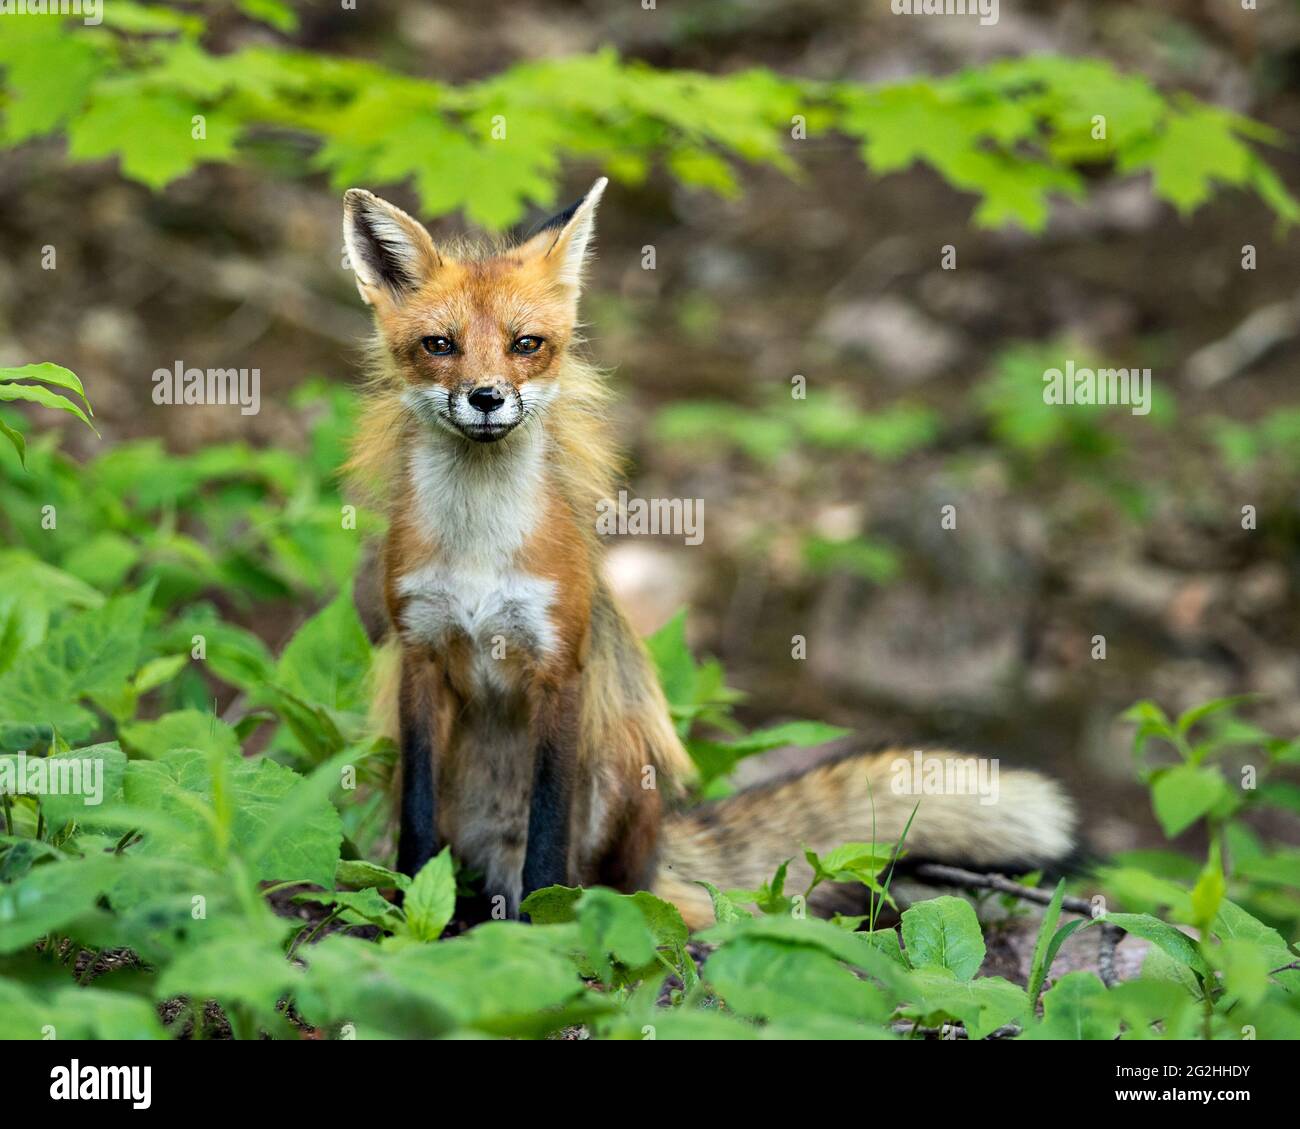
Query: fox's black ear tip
{"points": [[561, 219]]}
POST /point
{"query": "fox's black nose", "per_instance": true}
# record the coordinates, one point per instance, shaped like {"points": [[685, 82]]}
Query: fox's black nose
{"points": [[485, 400]]}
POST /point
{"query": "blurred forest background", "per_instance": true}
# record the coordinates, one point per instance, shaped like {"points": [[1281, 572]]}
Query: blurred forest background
{"points": [[821, 516]]}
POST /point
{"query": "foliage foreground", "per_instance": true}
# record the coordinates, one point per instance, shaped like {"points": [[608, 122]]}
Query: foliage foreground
{"points": [[157, 855]]}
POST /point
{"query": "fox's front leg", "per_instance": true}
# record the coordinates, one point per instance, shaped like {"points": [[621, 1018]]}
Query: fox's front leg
{"points": [[550, 810], [417, 840]]}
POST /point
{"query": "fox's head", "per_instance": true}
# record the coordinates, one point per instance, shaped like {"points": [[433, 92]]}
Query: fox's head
{"points": [[478, 342]]}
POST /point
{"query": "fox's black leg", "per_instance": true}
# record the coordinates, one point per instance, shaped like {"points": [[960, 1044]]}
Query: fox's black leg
{"points": [[417, 840], [550, 811]]}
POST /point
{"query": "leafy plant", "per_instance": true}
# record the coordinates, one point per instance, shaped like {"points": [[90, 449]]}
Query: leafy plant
{"points": [[146, 90], [14, 385]]}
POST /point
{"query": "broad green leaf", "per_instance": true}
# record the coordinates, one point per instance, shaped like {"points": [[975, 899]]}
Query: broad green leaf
{"points": [[157, 135], [768, 979], [91, 653], [1073, 1008], [431, 898], [182, 729], [1184, 793], [943, 932], [612, 930], [326, 661], [1246, 966], [179, 784], [552, 905], [53, 896], [1177, 945], [982, 1005], [93, 777], [74, 1013]]}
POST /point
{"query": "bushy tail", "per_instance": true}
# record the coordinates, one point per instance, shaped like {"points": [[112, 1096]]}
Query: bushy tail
{"points": [[969, 812]]}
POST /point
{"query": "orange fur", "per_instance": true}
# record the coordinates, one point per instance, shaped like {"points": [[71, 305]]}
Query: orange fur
{"points": [[569, 661]]}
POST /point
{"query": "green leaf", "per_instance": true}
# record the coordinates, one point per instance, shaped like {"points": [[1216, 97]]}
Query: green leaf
{"points": [[103, 560], [359, 907], [943, 932], [982, 1005], [613, 928], [1234, 924], [1197, 148], [15, 437], [326, 661], [1245, 969], [52, 897], [274, 12], [158, 672], [1207, 894], [152, 132], [1199, 713], [48, 75], [1183, 794], [1072, 1010], [502, 978], [725, 910], [250, 970], [73, 1013], [90, 654], [356, 872], [180, 784], [47, 373], [1040, 966], [95, 775], [182, 729], [1177, 945], [552, 905], [768, 979], [35, 394], [431, 898]]}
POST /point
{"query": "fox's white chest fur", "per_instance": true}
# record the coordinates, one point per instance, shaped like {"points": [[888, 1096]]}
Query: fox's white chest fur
{"points": [[479, 512]]}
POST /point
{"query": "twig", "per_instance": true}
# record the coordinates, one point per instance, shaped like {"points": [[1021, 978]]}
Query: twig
{"points": [[955, 876], [1286, 968], [1111, 935]]}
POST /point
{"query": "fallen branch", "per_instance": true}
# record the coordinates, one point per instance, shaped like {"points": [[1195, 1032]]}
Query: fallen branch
{"points": [[956, 876]]}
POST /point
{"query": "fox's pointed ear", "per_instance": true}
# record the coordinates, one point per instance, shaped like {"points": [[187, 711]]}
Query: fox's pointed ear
{"points": [[563, 241], [391, 253]]}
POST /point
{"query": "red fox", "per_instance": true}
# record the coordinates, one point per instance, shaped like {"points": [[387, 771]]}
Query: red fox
{"points": [[534, 736]]}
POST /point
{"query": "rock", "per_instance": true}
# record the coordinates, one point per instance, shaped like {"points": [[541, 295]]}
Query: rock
{"points": [[908, 346]]}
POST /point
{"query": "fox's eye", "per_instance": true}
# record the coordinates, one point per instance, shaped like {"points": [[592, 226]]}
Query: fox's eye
{"points": [[527, 344], [439, 346]]}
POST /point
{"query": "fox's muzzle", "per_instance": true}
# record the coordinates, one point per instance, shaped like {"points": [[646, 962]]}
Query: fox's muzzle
{"points": [[486, 412]]}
